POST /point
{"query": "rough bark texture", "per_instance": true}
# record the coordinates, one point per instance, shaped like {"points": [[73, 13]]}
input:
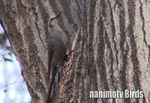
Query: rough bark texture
{"points": [[112, 50]]}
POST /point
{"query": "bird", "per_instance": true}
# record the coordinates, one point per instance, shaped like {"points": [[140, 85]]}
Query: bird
{"points": [[57, 48]]}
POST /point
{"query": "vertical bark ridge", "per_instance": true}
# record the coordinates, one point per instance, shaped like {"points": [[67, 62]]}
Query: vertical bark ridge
{"points": [[143, 22], [123, 47], [98, 39], [135, 61], [112, 43], [113, 81], [77, 73], [91, 71], [113, 32], [85, 68], [105, 21], [108, 18], [83, 65]]}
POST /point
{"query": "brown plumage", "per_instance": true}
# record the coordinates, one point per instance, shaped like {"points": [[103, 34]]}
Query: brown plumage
{"points": [[57, 47]]}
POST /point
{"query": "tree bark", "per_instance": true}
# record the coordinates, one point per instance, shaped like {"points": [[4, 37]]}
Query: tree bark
{"points": [[112, 51]]}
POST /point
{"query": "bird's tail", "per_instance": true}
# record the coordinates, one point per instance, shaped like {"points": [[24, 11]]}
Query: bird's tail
{"points": [[54, 82]]}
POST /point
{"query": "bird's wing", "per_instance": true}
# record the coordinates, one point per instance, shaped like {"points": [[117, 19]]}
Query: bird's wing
{"points": [[50, 54]]}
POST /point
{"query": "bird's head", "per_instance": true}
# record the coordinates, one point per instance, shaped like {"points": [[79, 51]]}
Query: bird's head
{"points": [[53, 20]]}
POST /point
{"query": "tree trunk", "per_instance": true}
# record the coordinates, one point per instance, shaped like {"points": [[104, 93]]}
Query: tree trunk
{"points": [[112, 51]]}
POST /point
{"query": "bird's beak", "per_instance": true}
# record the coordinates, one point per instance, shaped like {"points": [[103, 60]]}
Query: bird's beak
{"points": [[57, 16]]}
